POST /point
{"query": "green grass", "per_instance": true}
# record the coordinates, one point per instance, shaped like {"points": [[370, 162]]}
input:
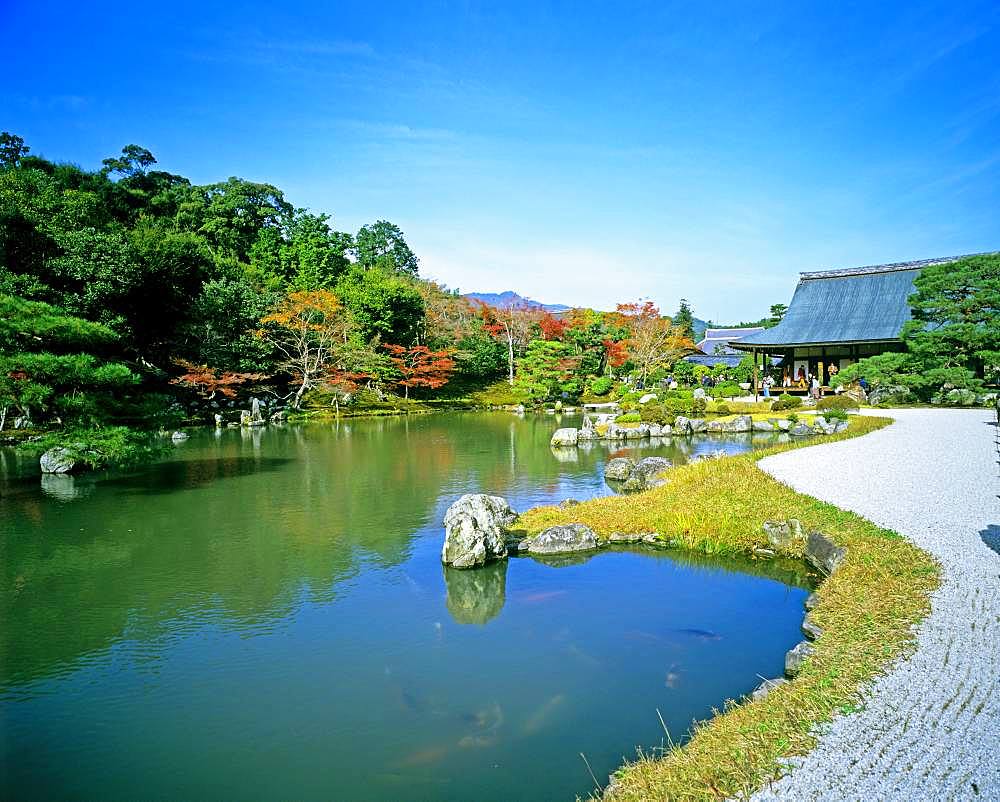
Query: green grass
{"points": [[867, 610]]}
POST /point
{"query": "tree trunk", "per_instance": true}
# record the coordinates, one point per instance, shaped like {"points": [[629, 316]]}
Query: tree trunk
{"points": [[298, 396], [510, 359]]}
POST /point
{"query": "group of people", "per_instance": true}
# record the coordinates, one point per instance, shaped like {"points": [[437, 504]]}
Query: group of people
{"points": [[803, 379]]}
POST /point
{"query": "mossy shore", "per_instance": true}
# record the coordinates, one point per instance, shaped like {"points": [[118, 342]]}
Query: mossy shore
{"points": [[867, 611]]}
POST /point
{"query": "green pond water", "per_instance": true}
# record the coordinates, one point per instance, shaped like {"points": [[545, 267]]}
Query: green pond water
{"points": [[264, 615]]}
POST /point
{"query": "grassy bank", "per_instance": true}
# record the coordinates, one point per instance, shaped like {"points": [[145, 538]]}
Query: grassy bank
{"points": [[867, 610]]}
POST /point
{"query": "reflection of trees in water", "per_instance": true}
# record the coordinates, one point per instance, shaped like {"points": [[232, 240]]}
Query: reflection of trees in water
{"points": [[230, 530], [239, 527], [476, 595]]}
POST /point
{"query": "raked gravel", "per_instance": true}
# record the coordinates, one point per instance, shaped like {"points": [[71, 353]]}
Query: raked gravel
{"points": [[929, 729]]}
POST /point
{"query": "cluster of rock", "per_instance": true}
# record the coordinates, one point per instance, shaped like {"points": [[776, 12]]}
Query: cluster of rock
{"points": [[477, 531], [604, 427], [825, 556], [636, 476], [258, 415]]}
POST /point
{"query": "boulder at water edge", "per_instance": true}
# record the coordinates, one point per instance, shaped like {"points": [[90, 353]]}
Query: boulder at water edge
{"points": [[564, 437], [644, 475], [474, 528], [619, 469], [560, 540], [59, 460]]}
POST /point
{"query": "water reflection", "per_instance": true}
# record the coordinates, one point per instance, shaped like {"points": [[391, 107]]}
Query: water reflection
{"points": [[278, 593], [476, 596]]}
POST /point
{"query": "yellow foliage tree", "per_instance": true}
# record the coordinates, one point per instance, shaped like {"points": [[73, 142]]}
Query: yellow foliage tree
{"points": [[307, 329]]}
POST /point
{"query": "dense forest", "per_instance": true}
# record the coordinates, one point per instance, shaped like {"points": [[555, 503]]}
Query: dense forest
{"points": [[127, 289]]}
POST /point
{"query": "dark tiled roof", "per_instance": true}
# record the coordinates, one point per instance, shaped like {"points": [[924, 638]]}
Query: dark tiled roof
{"points": [[715, 337], [730, 360], [864, 304]]}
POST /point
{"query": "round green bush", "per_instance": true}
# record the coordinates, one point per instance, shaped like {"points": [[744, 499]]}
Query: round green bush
{"points": [[722, 408], [601, 385], [837, 402], [726, 390], [631, 417], [787, 401]]}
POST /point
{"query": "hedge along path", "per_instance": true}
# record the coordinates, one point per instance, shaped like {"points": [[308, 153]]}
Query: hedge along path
{"points": [[867, 611]]}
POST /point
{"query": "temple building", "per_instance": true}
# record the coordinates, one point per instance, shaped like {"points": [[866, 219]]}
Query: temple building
{"points": [[837, 317], [715, 347]]}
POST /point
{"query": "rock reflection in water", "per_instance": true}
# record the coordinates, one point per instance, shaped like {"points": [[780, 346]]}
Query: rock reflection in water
{"points": [[62, 487], [476, 596]]}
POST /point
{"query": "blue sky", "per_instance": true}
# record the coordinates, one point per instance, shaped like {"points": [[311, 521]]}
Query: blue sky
{"points": [[577, 153]]}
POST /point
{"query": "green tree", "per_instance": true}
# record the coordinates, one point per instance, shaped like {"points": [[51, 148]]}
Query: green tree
{"points": [[547, 370], [50, 367], [231, 214], [382, 244], [315, 256], [382, 305], [684, 319], [777, 315], [12, 149]]}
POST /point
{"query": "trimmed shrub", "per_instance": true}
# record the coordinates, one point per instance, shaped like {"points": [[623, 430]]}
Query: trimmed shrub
{"points": [[698, 406], [722, 408], [657, 413], [726, 390], [631, 417], [835, 413], [837, 402], [601, 385], [787, 401]]}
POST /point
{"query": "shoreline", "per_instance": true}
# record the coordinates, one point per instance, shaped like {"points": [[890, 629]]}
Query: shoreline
{"points": [[867, 611]]}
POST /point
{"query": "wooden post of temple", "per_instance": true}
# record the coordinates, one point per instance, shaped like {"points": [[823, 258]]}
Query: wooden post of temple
{"points": [[754, 352]]}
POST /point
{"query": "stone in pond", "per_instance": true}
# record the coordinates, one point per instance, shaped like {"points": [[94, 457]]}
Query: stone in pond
{"points": [[564, 437], [475, 526], [741, 423], [562, 539], [59, 460], [619, 469]]}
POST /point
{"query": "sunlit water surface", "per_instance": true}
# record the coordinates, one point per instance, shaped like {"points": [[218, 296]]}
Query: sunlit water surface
{"points": [[264, 615]]}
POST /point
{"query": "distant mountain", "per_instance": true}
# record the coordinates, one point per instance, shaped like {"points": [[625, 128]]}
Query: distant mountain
{"points": [[511, 298]]}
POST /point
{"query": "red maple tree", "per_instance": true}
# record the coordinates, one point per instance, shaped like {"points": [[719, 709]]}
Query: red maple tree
{"points": [[552, 327], [617, 352], [420, 366], [208, 381]]}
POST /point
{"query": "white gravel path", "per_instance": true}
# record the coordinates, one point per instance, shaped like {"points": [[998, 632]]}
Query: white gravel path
{"points": [[930, 727]]}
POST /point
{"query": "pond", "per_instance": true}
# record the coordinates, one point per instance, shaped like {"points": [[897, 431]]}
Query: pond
{"points": [[264, 615]]}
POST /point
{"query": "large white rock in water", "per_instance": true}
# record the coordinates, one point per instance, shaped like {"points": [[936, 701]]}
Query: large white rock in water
{"points": [[561, 539], [474, 529], [59, 460], [564, 437]]}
